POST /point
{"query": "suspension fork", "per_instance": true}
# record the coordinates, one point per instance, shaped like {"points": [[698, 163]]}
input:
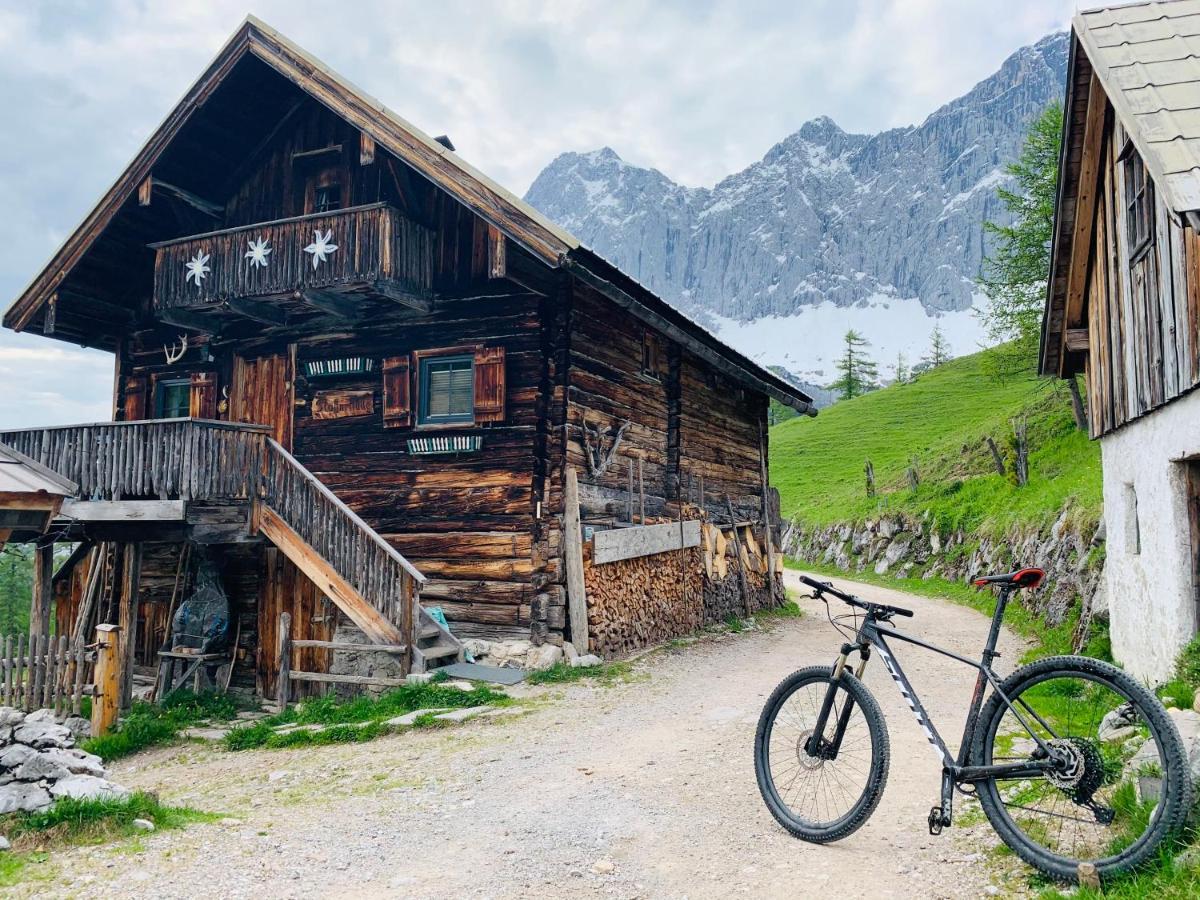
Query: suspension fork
{"points": [[816, 745]]}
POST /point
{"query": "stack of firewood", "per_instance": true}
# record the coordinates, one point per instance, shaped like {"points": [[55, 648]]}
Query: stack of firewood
{"points": [[635, 603]]}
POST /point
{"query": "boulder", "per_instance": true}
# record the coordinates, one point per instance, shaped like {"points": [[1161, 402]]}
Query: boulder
{"points": [[88, 787], [41, 715], [43, 734], [543, 657], [78, 726], [10, 716], [25, 796], [1114, 724], [75, 761], [586, 662], [11, 757], [38, 767]]}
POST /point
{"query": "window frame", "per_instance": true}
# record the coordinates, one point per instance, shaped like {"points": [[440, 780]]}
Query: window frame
{"points": [[1138, 203], [161, 386], [423, 360]]}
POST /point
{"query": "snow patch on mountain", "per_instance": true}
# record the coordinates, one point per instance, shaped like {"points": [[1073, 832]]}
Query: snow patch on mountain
{"points": [[809, 342]]}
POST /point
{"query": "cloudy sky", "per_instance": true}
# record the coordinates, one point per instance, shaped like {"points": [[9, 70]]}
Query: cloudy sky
{"points": [[697, 89]]}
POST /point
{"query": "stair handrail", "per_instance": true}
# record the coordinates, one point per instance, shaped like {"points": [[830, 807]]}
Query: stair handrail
{"points": [[345, 510]]}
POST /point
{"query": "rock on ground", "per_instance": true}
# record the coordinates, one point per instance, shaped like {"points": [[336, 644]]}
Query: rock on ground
{"points": [[88, 787], [19, 796]]}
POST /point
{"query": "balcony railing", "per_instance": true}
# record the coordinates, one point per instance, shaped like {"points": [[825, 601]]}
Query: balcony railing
{"points": [[361, 249], [168, 459]]}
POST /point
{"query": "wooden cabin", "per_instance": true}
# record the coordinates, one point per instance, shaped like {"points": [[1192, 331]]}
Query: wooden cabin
{"points": [[1123, 308], [367, 381]]}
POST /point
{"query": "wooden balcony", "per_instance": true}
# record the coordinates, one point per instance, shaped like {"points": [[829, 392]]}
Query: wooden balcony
{"points": [[337, 263]]}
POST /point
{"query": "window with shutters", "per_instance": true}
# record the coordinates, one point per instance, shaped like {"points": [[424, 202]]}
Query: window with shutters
{"points": [[447, 390]]}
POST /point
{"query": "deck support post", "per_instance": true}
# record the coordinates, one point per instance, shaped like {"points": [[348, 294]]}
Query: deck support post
{"points": [[284, 678], [131, 575], [43, 590]]}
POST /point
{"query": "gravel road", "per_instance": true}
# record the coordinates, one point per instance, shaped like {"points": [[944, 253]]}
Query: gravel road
{"points": [[640, 789]]}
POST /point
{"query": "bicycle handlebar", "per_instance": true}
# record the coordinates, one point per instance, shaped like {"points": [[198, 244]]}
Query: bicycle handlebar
{"points": [[826, 587]]}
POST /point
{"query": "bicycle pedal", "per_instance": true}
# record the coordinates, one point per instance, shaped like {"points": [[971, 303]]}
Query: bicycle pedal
{"points": [[937, 820]]}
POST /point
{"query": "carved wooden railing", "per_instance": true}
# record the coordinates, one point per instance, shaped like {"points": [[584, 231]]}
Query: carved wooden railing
{"points": [[369, 564], [376, 248], [167, 459]]}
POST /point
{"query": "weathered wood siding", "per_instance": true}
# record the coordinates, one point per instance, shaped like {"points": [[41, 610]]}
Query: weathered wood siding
{"points": [[1142, 312]]}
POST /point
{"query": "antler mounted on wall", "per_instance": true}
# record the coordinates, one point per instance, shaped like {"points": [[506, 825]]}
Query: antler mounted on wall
{"points": [[173, 355], [597, 457]]}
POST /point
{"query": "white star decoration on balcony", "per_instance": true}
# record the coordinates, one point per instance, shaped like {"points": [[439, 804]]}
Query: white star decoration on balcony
{"points": [[321, 248], [197, 267], [258, 252]]}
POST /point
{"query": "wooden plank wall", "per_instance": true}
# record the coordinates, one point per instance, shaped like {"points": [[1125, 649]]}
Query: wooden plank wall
{"points": [[1142, 317], [465, 520]]}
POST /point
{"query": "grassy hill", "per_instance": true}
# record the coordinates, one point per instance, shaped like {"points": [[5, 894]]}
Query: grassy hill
{"points": [[940, 419]]}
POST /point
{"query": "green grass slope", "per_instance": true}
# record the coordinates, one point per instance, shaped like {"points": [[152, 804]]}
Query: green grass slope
{"points": [[940, 419]]}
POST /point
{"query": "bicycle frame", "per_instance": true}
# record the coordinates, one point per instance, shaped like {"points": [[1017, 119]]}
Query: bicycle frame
{"points": [[955, 772]]}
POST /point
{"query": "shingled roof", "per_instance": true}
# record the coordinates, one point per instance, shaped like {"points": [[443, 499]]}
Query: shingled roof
{"points": [[1147, 58]]}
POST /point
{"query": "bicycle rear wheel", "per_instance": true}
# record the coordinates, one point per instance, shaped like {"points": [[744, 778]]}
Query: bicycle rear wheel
{"points": [[829, 796], [1125, 787]]}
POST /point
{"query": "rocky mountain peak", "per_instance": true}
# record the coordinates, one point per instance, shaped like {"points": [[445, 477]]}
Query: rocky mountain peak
{"points": [[827, 219]]}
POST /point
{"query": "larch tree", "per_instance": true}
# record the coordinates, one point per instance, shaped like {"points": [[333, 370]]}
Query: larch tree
{"points": [[857, 371], [939, 349]]}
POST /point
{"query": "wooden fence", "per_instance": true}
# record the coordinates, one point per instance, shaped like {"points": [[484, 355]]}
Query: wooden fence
{"points": [[45, 673], [287, 676]]}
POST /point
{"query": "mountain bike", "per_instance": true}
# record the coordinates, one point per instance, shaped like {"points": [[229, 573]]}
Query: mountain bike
{"points": [[1076, 765]]}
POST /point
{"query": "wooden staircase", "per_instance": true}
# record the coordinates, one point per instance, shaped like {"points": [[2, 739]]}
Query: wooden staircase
{"points": [[364, 575]]}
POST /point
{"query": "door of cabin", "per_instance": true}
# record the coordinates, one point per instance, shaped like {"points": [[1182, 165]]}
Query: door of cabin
{"points": [[263, 392]]}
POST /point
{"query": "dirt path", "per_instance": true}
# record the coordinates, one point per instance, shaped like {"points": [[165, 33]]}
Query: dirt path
{"points": [[653, 778]]}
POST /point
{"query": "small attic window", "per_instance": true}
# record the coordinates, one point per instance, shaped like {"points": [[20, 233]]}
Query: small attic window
{"points": [[1139, 205]]}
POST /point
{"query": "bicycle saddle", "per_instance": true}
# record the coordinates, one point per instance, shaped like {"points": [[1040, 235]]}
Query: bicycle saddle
{"points": [[1022, 578]]}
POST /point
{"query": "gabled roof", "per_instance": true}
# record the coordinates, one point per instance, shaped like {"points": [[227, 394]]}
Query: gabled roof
{"points": [[514, 217], [1147, 57]]}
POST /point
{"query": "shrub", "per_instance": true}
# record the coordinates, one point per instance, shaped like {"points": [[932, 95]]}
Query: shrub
{"points": [[1187, 665]]}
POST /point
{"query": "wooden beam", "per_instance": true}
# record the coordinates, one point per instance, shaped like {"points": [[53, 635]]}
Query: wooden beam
{"points": [[43, 590], [214, 210], [576, 592], [185, 318], [644, 540], [328, 581], [50, 317], [257, 310], [145, 190], [366, 149], [497, 258], [123, 510], [324, 678], [1078, 339], [127, 612], [397, 294], [1085, 207], [329, 302], [82, 549]]}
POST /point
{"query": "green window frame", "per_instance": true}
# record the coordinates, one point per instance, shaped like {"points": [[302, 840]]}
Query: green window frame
{"points": [[173, 398], [446, 394]]}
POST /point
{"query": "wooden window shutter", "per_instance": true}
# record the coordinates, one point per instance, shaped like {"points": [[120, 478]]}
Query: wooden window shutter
{"points": [[202, 400], [134, 404], [397, 392], [489, 384]]}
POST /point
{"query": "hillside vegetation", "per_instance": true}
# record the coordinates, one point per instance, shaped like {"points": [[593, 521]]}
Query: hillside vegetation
{"points": [[940, 419]]}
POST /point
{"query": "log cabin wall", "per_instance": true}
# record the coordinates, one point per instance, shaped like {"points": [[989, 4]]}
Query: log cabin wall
{"points": [[1142, 303]]}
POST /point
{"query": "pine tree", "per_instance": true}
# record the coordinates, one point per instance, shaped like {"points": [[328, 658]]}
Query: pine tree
{"points": [[900, 368], [858, 371], [939, 349], [1015, 272]]}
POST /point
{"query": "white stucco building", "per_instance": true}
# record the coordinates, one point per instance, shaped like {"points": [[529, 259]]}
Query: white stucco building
{"points": [[1123, 308]]}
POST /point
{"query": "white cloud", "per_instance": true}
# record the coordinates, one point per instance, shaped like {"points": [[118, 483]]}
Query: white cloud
{"points": [[697, 89]]}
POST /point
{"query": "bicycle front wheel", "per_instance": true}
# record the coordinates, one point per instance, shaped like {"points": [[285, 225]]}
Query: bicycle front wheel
{"points": [[828, 796], [1122, 787]]}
